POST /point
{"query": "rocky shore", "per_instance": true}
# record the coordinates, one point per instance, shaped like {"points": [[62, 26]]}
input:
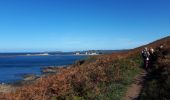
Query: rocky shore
{"points": [[4, 88], [52, 69], [30, 78]]}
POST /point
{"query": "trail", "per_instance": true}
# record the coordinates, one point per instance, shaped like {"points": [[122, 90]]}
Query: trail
{"points": [[134, 90]]}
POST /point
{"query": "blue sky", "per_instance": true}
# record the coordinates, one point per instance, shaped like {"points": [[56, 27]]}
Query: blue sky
{"points": [[68, 25]]}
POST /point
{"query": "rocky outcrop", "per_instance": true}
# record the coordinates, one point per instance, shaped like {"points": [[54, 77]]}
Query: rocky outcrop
{"points": [[52, 69]]}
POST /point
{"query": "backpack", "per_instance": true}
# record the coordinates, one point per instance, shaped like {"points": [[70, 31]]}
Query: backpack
{"points": [[145, 54]]}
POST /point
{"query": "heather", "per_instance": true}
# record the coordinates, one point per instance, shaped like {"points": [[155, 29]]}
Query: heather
{"points": [[104, 77]]}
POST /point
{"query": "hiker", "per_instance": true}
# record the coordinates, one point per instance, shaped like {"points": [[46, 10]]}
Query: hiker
{"points": [[152, 56], [159, 51], [146, 55], [151, 51], [161, 47]]}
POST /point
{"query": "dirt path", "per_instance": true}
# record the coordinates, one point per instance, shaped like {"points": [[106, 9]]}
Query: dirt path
{"points": [[135, 89]]}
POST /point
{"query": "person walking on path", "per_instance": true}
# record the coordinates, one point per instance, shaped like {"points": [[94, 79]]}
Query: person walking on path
{"points": [[146, 57], [152, 56]]}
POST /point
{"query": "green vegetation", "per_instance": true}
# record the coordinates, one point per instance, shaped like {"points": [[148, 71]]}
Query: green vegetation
{"points": [[104, 77], [107, 83]]}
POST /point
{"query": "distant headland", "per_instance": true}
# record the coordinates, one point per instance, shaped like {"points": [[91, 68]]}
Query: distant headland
{"points": [[84, 52]]}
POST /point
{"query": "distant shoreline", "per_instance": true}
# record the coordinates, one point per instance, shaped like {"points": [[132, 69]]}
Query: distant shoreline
{"points": [[36, 55]]}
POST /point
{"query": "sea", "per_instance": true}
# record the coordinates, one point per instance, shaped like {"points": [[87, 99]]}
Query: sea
{"points": [[12, 67]]}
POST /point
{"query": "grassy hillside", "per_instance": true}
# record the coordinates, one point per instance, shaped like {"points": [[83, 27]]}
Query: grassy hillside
{"points": [[103, 77]]}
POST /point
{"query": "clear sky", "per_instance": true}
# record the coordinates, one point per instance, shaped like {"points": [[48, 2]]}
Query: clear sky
{"points": [[67, 25]]}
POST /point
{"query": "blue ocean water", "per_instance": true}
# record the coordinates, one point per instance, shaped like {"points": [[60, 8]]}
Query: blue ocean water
{"points": [[12, 67]]}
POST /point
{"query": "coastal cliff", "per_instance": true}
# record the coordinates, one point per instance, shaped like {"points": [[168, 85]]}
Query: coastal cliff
{"points": [[103, 77]]}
